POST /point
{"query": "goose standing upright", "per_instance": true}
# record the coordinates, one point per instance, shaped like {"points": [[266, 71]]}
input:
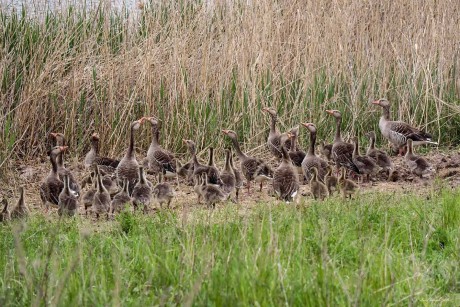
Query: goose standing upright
{"points": [[101, 202], [121, 199], [61, 169], [228, 176], [20, 211], [160, 160], [198, 169], [252, 168], [163, 193], [128, 168], [67, 200], [346, 186], [285, 178], [341, 152], [398, 132], [295, 154], [142, 193], [93, 154], [318, 189], [273, 141], [238, 178], [5, 215], [417, 165], [311, 159], [52, 186]]}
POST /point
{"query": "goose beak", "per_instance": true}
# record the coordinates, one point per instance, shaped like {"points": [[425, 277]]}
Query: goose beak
{"points": [[225, 131], [184, 140], [63, 148], [306, 125], [329, 111], [376, 102], [265, 109], [53, 134]]}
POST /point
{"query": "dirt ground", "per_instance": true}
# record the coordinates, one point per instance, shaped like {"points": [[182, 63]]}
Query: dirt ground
{"points": [[31, 173]]}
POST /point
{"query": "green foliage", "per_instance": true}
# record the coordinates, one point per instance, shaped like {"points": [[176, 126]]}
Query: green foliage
{"points": [[388, 249]]}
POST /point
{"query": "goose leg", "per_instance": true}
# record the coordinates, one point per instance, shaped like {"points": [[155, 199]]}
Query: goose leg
{"points": [[261, 185]]}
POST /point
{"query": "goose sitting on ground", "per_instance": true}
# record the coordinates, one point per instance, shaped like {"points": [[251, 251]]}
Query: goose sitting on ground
{"points": [[417, 165], [253, 169], [211, 194], [398, 132]]}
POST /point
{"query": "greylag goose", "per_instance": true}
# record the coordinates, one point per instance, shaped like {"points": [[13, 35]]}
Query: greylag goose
{"points": [[88, 197], [128, 168], [61, 169], [285, 178], [93, 155], [212, 194], [341, 152], [67, 200], [398, 132], [417, 165], [326, 150], [365, 164], [163, 193], [20, 211], [199, 169], [238, 178], [121, 199], [380, 157], [311, 159], [252, 168], [5, 215], [318, 189], [228, 176], [273, 141], [295, 154], [198, 187], [346, 186], [52, 186], [101, 201], [160, 160], [330, 181], [142, 193]]}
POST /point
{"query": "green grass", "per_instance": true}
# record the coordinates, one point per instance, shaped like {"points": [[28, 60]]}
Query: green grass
{"points": [[387, 249]]}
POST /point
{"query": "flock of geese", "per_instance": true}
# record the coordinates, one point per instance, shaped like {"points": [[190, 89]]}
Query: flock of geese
{"points": [[113, 185]]}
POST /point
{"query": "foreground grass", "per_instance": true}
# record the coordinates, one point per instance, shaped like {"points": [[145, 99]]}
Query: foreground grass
{"points": [[387, 249]]}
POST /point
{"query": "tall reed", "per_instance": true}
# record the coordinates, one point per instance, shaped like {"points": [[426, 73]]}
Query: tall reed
{"points": [[204, 66]]}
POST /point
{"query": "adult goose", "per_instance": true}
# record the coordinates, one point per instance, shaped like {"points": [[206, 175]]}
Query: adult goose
{"points": [[311, 160], [273, 141], [251, 167], [128, 168], [93, 154], [398, 132], [341, 152], [52, 186], [160, 160]]}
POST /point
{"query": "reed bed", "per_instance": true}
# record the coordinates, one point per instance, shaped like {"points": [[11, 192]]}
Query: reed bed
{"points": [[201, 66]]}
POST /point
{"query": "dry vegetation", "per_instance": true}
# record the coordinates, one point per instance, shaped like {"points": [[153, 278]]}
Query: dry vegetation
{"points": [[203, 67]]}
